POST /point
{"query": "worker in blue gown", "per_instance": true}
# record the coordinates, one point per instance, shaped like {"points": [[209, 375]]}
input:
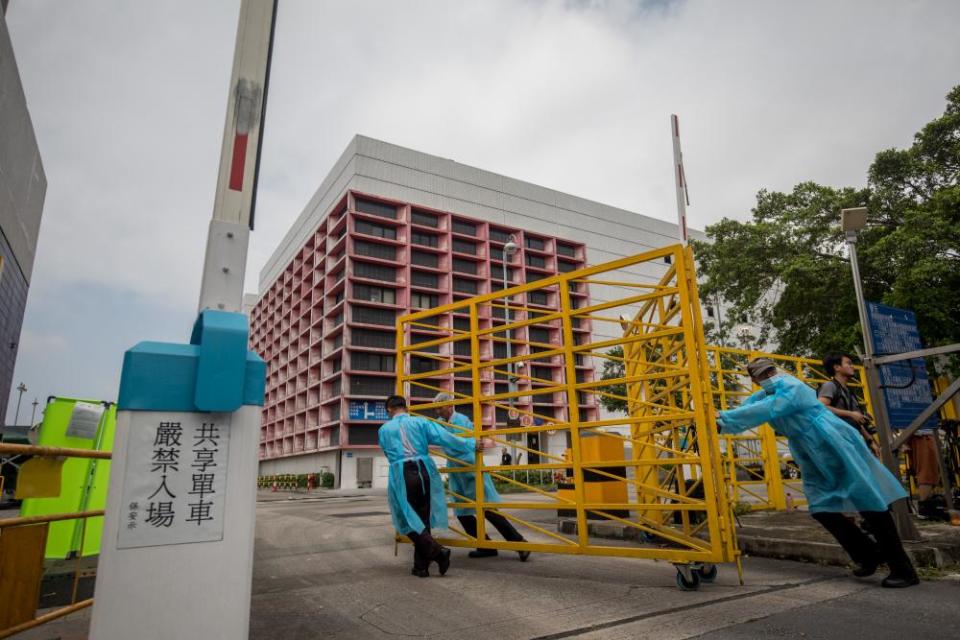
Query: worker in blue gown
{"points": [[415, 490], [839, 473], [464, 484]]}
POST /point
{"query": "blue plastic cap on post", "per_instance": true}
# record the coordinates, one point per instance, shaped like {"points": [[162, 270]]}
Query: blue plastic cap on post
{"points": [[214, 373]]}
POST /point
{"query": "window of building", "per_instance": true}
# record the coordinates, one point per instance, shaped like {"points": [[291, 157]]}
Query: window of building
{"points": [[499, 235], [417, 338], [464, 246], [338, 298], [371, 229], [372, 362], [370, 386], [566, 250], [370, 315], [425, 219], [536, 244], [336, 386], [536, 261], [419, 364], [374, 294], [363, 434], [565, 267], [336, 365], [462, 348], [421, 279], [539, 334], [425, 259], [376, 208], [335, 412], [371, 338], [466, 228], [463, 386], [461, 285], [338, 319], [461, 324], [499, 349], [374, 250], [538, 297], [374, 271], [338, 341], [544, 373], [424, 239], [424, 300], [464, 266]]}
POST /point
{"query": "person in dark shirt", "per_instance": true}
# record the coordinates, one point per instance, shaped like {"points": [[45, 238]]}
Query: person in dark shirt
{"points": [[836, 396], [506, 459]]}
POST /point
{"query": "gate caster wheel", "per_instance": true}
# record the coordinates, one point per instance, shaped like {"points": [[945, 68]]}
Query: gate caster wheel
{"points": [[688, 584], [707, 573]]}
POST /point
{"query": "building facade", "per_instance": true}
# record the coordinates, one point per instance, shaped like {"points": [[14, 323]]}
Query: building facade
{"points": [[23, 187], [392, 230]]}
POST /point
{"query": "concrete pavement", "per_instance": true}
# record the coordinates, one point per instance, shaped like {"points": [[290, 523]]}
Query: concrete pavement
{"points": [[325, 568]]}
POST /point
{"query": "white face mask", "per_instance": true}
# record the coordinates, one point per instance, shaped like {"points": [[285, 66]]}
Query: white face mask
{"points": [[768, 383]]}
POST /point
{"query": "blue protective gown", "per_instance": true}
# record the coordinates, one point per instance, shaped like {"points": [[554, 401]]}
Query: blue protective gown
{"points": [[838, 471], [465, 483], [405, 437]]}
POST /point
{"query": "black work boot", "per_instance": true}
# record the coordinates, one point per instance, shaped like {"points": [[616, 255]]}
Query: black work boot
{"points": [[894, 581], [443, 560]]}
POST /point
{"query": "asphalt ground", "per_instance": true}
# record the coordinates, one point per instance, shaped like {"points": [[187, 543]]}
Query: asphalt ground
{"points": [[325, 568]]}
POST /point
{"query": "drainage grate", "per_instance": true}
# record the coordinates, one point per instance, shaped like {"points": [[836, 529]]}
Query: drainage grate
{"points": [[359, 514]]}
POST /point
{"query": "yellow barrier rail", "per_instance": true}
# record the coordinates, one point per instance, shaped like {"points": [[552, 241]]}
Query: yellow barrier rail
{"points": [[523, 365], [24, 617]]}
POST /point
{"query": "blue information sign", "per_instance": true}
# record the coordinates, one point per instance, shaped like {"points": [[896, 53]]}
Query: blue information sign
{"points": [[906, 386], [367, 410]]}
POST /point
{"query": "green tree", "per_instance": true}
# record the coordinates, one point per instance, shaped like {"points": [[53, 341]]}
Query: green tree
{"points": [[614, 369], [787, 269]]}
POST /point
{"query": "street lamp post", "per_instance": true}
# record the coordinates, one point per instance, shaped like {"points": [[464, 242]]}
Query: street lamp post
{"points": [[852, 221], [33, 414], [21, 388], [509, 250]]}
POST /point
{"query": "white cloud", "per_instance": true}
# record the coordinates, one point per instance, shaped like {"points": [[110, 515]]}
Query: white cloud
{"points": [[128, 101]]}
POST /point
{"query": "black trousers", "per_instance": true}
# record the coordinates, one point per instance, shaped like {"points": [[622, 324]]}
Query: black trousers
{"points": [[507, 530], [861, 548], [417, 482]]}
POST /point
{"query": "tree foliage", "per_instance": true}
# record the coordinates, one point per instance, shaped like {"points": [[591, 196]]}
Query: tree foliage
{"points": [[613, 369], [787, 270]]}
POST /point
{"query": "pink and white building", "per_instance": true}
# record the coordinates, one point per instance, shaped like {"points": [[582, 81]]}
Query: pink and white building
{"points": [[392, 230]]}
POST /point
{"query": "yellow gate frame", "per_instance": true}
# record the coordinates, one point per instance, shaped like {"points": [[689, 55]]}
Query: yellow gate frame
{"points": [[679, 506]]}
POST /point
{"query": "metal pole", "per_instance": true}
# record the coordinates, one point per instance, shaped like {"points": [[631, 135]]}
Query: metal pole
{"points": [[21, 388], [683, 197], [33, 414], [901, 512], [511, 382]]}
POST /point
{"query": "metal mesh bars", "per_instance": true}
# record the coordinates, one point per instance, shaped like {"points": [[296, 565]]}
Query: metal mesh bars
{"points": [[523, 364], [760, 474]]}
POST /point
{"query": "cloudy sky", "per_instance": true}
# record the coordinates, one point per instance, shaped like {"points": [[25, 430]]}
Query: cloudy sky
{"points": [[128, 99]]}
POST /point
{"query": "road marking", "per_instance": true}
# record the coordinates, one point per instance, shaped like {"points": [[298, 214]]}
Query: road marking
{"points": [[695, 619]]}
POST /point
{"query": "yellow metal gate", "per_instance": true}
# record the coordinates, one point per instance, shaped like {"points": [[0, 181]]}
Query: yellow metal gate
{"points": [[524, 365]]}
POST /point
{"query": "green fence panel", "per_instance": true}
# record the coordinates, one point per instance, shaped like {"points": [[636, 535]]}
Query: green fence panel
{"points": [[83, 481]]}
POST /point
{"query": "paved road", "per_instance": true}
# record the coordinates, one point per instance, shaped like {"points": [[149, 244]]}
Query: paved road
{"points": [[325, 568]]}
